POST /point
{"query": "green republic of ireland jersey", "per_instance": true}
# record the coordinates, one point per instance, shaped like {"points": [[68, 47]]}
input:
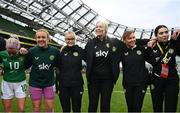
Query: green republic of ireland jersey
{"points": [[13, 66], [43, 61]]}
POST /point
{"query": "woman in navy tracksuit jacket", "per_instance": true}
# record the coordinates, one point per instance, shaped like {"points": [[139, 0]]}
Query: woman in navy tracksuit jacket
{"points": [[102, 58], [165, 80], [70, 80], [135, 74]]}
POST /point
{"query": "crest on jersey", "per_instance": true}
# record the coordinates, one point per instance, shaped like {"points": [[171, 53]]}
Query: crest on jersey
{"points": [[51, 57], [76, 54], [114, 48], [138, 52], [171, 51]]}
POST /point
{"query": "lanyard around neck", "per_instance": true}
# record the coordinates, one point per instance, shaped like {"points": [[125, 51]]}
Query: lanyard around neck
{"points": [[162, 52]]}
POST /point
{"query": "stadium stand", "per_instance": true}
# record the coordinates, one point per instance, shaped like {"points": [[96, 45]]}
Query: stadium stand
{"points": [[25, 34]]}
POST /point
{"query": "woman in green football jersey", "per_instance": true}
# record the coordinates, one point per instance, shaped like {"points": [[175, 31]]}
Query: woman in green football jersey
{"points": [[14, 81], [42, 59]]}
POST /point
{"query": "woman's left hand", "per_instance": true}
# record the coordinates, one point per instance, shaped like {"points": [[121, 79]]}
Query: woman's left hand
{"points": [[176, 34], [152, 42], [23, 51]]}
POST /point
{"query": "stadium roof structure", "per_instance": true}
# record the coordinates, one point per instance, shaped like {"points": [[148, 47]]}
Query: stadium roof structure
{"points": [[59, 16]]}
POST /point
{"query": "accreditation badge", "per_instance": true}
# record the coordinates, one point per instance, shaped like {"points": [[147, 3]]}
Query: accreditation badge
{"points": [[164, 70]]}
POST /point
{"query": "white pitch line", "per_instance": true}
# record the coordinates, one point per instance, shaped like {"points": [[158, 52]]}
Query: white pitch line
{"points": [[122, 92]]}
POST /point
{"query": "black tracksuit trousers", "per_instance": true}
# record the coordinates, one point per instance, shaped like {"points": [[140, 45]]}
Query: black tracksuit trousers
{"points": [[100, 88], [71, 96], [164, 91], [134, 95]]}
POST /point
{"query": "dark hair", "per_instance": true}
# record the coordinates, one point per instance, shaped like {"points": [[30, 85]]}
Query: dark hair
{"points": [[157, 29], [126, 34]]}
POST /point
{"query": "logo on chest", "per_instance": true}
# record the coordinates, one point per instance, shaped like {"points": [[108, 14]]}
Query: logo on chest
{"points": [[102, 53], [36, 58], [44, 66]]}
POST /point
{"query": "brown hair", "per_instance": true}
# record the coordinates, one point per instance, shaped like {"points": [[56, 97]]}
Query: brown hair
{"points": [[159, 27], [126, 34]]}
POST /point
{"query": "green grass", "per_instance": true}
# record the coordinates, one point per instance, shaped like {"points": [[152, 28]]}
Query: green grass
{"points": [[118, 103]]}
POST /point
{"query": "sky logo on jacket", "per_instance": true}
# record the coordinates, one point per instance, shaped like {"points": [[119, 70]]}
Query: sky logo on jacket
{"points": [[44, 66], [102, 53]]}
